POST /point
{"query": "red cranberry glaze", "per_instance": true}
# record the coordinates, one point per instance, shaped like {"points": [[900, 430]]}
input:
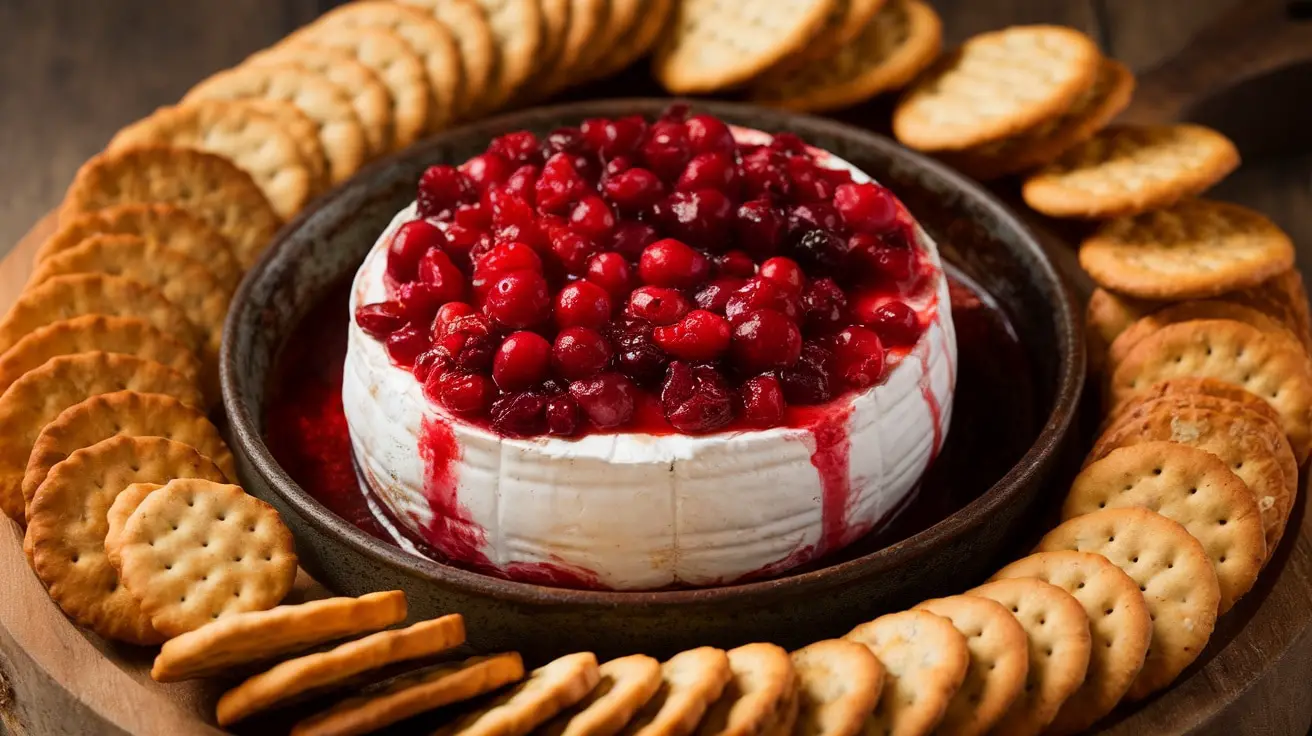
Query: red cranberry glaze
{"points": [[659, 276]]}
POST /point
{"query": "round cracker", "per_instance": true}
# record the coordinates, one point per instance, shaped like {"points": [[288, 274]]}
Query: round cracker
{"points": [[1059, 649], [1187, 485], [474, 41], [116, 517], [716, 44], [582, 42], [1173, 572], [208, 186], [168, 226], [240, 132], [547, 691], [690, 682], [517, 28], [925, 661], [556, 18], [626, 684], [1186, 311], [999, 662], [306, 134], [1119, 624], [1131, 169], [66, 528], [839, 683], [1192, 387], [996, 85], [762, 683], [123, 414], [639, 41], [896, 45]]}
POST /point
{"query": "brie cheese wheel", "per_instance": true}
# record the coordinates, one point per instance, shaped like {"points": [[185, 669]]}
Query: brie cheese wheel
{"points": [[633, 511]]}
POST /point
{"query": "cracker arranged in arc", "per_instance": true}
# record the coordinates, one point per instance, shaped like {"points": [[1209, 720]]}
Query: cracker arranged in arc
{"points": [[123, 414], [305, 132], [757, 694], [1174, 574], [626, 684], [621, 20], [996, 85], [1129, 169], [587, 20], [1059, 649], [1190, 486], [716, 44], [1195, 249], [517, 29], [1227, 351], [1045, 142], [547, 691], [999, 662], [1119, 624], [169, 226], [478, 49], [1186, 311], [925, 661], [116, 517], [1192, 388], [639, 41], [239, 132], [254, 636], [824, 39], [208, 186], [896, 45], [839, 683], [413, 693], [690, 682], [38, 397], [96, 332], [322, 670], [68, 521], [196, 550], [336, 125], [556, 18]]}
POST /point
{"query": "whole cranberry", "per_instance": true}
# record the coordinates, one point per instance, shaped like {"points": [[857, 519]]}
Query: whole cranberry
{"points": [[418, 302], [803, 218], [759, 227], [380, 319], [563, 416], [677, 112], [765, 175], [789, 144], [824, 306], [408, 245], [696, 399], [703, 217], [714, 297], [762, 399], [466, 344], [465, 394], [593, 218], [437, 270], [764, 340], [565, 139], [886, 259], [707, 134], [519, 299], [405, 345], [784, 273], [560, 185], [735, 263], [759, 293], [710, 171], [699, 336], [608, 399], [579, 352], [657, 305], [521, 414], [820, 252], [520, 147], [509, 210], [666, 150], [486, 169], [464, 242], [611, 272], [522, 361], [441, 189], [507, 257], [631, 237], [582, 304], [634, 190], [636, 353], [572, 249], [858, 356], [447, 314], [809, 381], [896, 323], [671, 263], [866, 208], [809, 184], [613, 138], [523, 183], [427, 362], [473, 216]]}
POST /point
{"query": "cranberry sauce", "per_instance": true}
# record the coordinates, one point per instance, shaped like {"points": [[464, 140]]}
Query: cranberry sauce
{"points": [[994, 420]]}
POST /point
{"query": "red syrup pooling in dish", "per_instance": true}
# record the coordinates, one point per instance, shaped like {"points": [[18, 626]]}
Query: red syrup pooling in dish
{"points": [[994, 420]]}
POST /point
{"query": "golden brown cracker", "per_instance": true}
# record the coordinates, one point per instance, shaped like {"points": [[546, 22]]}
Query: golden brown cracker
{"points": [[626, 684], [1193, 387], [587, 20], [757, 694], [690, 682], [116, 517], [925, 662], [547, 691], [839, 684], [474, 41], [517, 29], [305, 131], [1191, 310], [639, 41]]}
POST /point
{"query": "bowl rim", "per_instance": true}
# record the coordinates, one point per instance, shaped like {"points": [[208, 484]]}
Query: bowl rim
{"points": [[1069, 387]]}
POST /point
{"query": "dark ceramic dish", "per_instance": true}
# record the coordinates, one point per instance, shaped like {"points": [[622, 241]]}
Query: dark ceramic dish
{"points": [[975, 233]]}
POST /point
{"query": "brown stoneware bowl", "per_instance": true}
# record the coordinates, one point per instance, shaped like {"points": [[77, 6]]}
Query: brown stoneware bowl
{"points": [[976, 234]]}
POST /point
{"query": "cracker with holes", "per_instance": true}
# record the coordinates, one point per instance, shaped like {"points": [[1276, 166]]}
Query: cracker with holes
{"points": [[757, 694], [547, 691], [123, 414], [516, 27], [1131, 169], [1119, 625], [690, 682], [67, 523], [124, 504], [626, 684], [639, 41], [96, 332], [305, 131], [38, 398], [477, 47], [209, 186], [1186, 311], [170, 227], [237, 131], [1228, 351], [1059, 649], [901, 40], [716, 44], [196, 550], [1173, 571], [999, 662], [996, 85], [839, 683], [925, 661], [1192, 389], [413, 693], [254, 636], [339, 666], [1044, 143], [1196, 249]]}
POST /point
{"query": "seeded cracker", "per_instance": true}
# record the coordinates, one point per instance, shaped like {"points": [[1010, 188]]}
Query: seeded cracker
{"points": [[756, 696], [925, 661], [547, 691], [839, 682], [690, 682], [626, 685]]}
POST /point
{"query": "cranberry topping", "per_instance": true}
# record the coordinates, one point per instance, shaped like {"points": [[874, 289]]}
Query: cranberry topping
{"points": [[579, 352], [409, 244], [699, 336], [563, 416], [634, 190], [707, 134], [486, 169], [582, 304], [696, 399], [866, 208], [763, 401], [784, 273], [468, 394], [735, 263], [560, 184], [667, 149], [437, 270], [381, 319], [522, 414], [671, 263], [522, 361], [657, 305], [521, 147], [519, 299], [709, 171], [764, 340], [611, 272], [607, 399], [897, 323], [702, 217], [859, 356], [441, 190]]}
